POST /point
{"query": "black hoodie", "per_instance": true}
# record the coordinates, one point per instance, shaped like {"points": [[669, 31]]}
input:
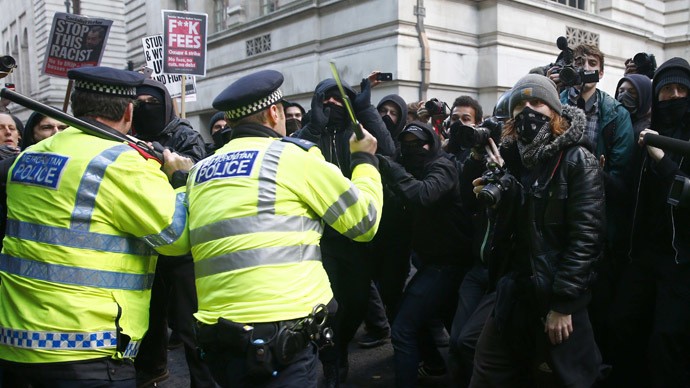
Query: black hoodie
{"points": [[659, 227], [334, 143], [402, 120], [438, 233], [643, 115]]}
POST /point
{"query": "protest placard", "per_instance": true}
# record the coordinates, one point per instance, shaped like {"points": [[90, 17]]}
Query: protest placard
{"points": [[75, 41], [184, 42], [153, 53]]}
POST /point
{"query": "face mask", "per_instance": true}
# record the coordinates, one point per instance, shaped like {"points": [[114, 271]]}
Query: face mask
{"points": [[221, 137], [292, 125], [149, 120], [390, 125], [413, 153], [528, 124], [628, 101], [337, 116], [671, 112]]}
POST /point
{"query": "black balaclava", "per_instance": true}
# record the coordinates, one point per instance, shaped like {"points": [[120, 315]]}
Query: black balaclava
{"points": [[150, 120], [670, 115], [338, 114], [292, 125]]}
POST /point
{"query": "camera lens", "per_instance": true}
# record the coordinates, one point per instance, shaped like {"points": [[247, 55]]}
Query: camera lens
{"points": [[489, 195], [7, 63]]}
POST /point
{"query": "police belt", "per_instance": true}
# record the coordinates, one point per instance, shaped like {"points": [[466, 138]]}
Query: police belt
{"points": [[264, 343]]}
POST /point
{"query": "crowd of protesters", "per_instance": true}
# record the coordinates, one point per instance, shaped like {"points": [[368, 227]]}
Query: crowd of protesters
{"points": [[548, 240]]}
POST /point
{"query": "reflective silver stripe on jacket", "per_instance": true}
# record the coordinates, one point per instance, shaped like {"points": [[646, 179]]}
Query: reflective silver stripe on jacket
{"points": [[256, 257], [63, 274], [340, 206], [170, 234], [75, 238], [252, 224], [64, 341], [89, 185], [364, 225], [267, 178]]}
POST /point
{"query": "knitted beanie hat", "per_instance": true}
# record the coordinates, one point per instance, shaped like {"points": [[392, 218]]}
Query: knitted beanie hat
{"points": [[535, 86]]}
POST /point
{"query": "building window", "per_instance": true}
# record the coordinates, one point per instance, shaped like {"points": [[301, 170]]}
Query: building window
{"points": [[218, 12], [585, 5], [258, 45], [577, 37], [269, 6]]}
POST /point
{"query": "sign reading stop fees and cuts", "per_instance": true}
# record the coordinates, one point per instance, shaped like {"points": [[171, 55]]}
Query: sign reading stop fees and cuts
{"points": [[184, 36]]}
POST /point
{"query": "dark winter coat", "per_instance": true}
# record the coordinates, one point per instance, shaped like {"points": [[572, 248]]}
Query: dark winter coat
{"points": [[431, 196], [557, 220], [658, 226]]}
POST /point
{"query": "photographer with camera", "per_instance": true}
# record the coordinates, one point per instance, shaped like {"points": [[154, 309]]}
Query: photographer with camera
{"points": [[610, 131], [466, 113], [651, 314], [546, 207]]}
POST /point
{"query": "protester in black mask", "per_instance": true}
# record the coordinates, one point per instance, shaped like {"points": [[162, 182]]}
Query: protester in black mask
{"points": [[173, 287], [426, 182], [293, 117], [548, 221], [220, 132], [393, 111], [634, 92], [651, 314], [330, 128], [389, 259]]}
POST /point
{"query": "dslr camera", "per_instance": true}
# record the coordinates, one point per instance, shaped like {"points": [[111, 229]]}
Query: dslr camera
{"points": [[565, 67], [475, 137], [7, 64], [436, 107], [496, 182], [645, 64]]}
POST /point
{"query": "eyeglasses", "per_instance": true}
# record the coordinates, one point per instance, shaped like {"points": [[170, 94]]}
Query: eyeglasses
{"points": [[48, 127]]}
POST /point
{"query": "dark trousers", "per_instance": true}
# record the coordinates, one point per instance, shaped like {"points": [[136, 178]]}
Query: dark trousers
{"points": [[349, 275], [98, 373], [499, 362], [652, 320], [376, 320], [230, 370], [173, 301], [429, 295]]}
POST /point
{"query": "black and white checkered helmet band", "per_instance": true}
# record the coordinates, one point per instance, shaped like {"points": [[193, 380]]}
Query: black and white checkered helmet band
{"points": [[124, 91], [235, 114]]}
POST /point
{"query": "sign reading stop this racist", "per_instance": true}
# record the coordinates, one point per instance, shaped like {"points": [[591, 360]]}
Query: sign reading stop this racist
{"points": [[184, 36], [75, 41]]}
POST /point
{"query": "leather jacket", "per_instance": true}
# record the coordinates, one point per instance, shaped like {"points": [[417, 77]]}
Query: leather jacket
{"points": [[557, 221]]}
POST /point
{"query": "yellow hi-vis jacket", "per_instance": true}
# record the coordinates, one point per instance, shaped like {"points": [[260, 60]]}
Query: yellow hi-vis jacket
{"points": [[85, 219], [255, 217]]}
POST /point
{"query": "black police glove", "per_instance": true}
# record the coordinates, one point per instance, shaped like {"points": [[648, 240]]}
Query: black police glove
{"points": [[319, 114], [363, 99]]}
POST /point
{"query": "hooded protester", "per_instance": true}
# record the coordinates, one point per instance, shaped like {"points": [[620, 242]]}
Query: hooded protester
{"points": [[426, 182], [651, 317], [173, 294], [389, 258], [329, 127], [220, 132], [393, 111], [155, 120], [549, 220], [634, 92]]}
